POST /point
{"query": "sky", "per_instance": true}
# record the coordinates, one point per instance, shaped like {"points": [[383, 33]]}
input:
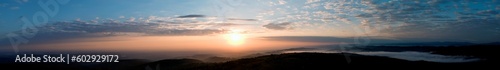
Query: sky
{"points": [[241, 25]]}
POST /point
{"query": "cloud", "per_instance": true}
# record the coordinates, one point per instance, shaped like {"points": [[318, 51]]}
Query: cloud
{"points": [[322, 39], [440, 20], [14, 8], [186, 32], [225, 24], [328, 6], [278, 26], [22, 1], [167, 22], [77, 19], [62, 30], [131, 19], [330, 39], [242, 19], [281, 2], [487, 12], [191, 16], [121, 17], [371, 40], [113, 28], [321, 13], [312, 1]]}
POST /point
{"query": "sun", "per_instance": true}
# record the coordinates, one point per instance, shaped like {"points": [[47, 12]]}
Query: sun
{"points": [[235, 38]]}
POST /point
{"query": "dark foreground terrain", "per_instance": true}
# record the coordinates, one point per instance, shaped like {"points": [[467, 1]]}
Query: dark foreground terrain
{"points": [[279, 62], [285, 61], [268, 62]]}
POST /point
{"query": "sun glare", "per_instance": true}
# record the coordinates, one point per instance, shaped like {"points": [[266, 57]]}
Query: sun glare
{"points": [[235, 38]]}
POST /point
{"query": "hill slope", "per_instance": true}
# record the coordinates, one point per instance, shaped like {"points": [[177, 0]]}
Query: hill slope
{"points": [[280, 61]]}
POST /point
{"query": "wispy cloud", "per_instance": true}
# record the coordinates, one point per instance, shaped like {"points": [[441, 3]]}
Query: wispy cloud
{"points": [[95, 28], [14, 8], [431, 19], [121, 17], [282, 2], [414, 19], [278, 26], [22, 1], [330, 39], [190, 16], [312, 1], [242, 19]]}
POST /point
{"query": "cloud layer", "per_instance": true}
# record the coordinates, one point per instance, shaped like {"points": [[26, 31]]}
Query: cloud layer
{"points": [[152, 26], [278, 26], [435, 20]]}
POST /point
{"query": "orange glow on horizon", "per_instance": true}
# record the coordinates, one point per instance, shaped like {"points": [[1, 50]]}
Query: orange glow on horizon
{"points": [[226, 43]]}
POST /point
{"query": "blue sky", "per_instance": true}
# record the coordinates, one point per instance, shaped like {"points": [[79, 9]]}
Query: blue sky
{"points": [[115, 9], [402, 20], [88, 9]]}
